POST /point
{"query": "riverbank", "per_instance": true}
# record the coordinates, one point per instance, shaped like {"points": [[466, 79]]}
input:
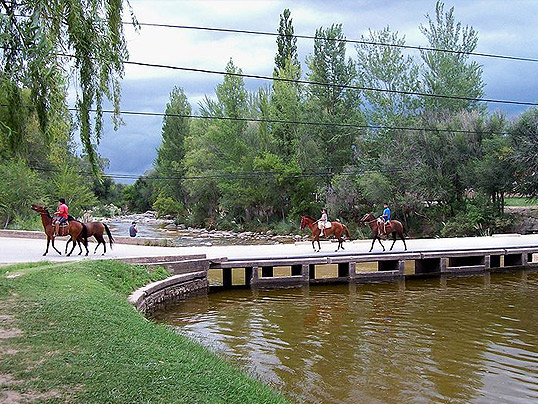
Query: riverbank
{"points": [[68, 334]]}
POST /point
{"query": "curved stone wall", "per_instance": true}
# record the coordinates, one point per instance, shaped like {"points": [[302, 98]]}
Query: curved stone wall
{"points": [[149, 298]]}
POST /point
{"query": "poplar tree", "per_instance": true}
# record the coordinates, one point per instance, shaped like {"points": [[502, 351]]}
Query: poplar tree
{"points": [[451, 72]]}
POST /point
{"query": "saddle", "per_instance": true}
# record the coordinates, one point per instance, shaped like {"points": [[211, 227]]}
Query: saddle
{"points": [[328, 225], [384, 229], [63, 230]]}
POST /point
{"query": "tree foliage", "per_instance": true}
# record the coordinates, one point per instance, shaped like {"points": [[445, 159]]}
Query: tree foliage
{"points": [[42, 41], [450, 72]]}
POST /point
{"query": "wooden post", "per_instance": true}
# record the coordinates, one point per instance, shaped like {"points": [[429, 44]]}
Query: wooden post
{"points": [[254, 276], [305, 269], [401, 267]]}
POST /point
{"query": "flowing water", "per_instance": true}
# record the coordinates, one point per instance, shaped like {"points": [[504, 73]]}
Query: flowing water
{"points": [[458, 340]]}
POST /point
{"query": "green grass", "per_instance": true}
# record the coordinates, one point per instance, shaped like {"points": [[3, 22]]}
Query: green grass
{"points": [[520, 202], [82, 342]]}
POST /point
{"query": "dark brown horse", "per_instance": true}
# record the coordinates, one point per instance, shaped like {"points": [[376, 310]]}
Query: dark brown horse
{"points": [[336, 229], [378, 228], [97, 230], [75, 228]]}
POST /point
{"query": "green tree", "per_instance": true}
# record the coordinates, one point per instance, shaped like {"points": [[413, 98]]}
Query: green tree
{"points": [[450, 73], [286, 41], [42, 41], [140, 196], [387, 68], [285, 109], [329, 102], [524, 137], [170, 154], [20, 188], [217, 151], [68, 183]]}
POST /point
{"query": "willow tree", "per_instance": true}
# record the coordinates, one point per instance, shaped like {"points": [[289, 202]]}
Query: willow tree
{"points": [[47, 46]]}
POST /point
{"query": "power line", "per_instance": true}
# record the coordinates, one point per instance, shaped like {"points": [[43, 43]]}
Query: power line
{"points": [[245, 175], [341, 86], [282, 121], [356, 41], [262, 120], [307, 82], [315, 37]]}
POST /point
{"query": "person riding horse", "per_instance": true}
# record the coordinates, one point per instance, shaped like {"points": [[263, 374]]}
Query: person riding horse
{"points": [[385, 218], [322, 222], [61, 215]]}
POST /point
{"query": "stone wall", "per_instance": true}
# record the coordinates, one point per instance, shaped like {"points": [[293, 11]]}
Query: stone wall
{"points": [[175, 288]]}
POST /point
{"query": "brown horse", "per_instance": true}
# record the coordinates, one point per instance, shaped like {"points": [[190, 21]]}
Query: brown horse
{"points": [[97, 230], [395, 227], [75, 228], [336, 229]]}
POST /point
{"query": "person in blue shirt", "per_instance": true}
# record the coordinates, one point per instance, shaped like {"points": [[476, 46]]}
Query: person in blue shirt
{"points": [[385, 217]]}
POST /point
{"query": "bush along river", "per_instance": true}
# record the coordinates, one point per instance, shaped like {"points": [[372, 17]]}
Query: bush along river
{"points": [[458, 340]]}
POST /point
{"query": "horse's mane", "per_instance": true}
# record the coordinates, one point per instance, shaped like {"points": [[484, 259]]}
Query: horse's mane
{"points": [[310, 217]]}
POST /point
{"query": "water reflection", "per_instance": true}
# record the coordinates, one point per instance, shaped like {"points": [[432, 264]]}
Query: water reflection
{"points": [[460, 340]]}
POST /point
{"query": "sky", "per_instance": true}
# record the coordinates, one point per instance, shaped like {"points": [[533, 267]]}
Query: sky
{"points": [[503, 27]]}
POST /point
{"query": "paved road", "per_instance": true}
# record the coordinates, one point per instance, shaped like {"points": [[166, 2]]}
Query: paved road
{"points": [[14, 250]]}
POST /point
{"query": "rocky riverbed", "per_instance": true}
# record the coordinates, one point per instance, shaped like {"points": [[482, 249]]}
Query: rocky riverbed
{"points": [[181, 235]]}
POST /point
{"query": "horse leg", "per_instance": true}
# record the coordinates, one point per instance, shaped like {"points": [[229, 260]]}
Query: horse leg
{"points": [[59, 252], [319, 246], [403, 239], [74, 245], [373, 241], [394, 240], [47, 250], [104, 244], [378, 239], [340, 242]]}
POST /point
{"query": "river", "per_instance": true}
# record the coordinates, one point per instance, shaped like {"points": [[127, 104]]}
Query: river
{"points": [[458, 340]]}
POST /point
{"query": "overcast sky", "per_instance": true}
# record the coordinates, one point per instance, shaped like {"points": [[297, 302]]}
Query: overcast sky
{"points": [[504, 28]]}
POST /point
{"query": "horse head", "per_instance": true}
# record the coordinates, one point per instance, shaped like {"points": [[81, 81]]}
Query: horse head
{"points": [[42, 210], [303, 222], [368, 217]]}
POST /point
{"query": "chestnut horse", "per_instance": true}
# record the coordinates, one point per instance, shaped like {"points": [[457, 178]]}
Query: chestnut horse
{"points": [[395, 227], [336, 229], [97, 230], [75, 228]]}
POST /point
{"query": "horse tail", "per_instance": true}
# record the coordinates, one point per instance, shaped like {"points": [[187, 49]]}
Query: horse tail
{"points": [[347, 232], [109, 235]]}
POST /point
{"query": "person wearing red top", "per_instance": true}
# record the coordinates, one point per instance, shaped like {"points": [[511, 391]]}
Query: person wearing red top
{"points": [[61, 214]]}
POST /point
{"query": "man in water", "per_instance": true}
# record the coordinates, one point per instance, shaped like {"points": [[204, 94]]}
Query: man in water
{"points": [[133, 230]]}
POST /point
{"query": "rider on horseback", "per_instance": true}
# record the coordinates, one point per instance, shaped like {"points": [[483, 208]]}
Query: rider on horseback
{"points": [[61, 214], [323, 221], [385, 217]]}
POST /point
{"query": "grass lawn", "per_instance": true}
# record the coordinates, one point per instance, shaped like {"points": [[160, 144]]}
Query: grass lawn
{"points": [[520, 202], [68, 334]]}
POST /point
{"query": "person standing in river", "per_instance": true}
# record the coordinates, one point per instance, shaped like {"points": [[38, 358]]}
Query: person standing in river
{"points": [[133, 230]]}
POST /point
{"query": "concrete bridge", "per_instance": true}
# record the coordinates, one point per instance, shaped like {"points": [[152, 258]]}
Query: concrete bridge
{"points": [[290, 264]]}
